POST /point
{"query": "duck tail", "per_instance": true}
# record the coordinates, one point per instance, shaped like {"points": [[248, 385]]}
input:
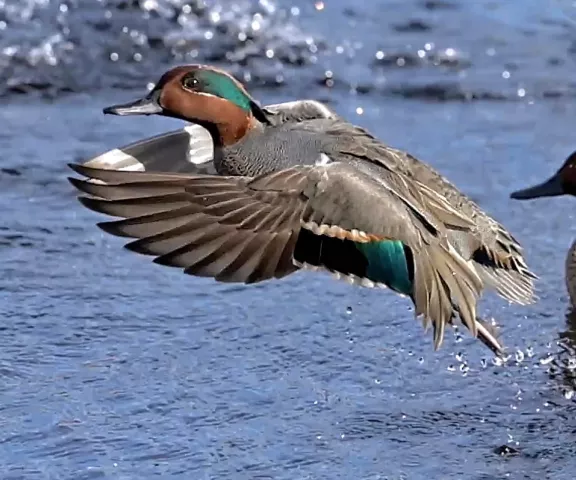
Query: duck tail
{"points": [[444, 283]]}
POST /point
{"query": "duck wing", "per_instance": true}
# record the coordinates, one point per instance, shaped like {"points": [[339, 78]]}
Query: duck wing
{"points": [[497, 255], [188, 150], [244, 229]]}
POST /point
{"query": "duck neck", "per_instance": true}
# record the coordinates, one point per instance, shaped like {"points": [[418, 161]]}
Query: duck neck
{"points": [[228, 132], [226, 137]]}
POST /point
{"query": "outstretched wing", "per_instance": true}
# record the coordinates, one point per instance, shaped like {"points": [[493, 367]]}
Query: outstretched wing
{"points": [[497, 255], [245, 229]]}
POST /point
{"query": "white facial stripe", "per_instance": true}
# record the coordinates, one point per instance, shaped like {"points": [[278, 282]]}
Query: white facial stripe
{"points": [[204, 94]]}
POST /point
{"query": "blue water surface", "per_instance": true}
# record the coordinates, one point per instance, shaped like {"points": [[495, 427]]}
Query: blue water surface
{"points": [[116, 368]]}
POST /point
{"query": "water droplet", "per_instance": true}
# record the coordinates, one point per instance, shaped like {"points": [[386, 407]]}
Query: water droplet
{"points": [[547, 360]]}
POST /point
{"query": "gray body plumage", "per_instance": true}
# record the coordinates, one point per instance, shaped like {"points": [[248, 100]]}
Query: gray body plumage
{"points": [[281, 146], [495, 252]]}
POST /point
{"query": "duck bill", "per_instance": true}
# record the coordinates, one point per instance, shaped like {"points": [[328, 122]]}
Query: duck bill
{"points": [[550, 188], [149, 105]]}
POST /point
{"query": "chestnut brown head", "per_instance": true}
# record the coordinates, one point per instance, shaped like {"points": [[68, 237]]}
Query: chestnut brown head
{"points": [[200, 94]]}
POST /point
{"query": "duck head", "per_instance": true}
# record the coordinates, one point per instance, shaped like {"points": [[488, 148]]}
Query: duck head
{"points": [[563, 182], [203, 95]]}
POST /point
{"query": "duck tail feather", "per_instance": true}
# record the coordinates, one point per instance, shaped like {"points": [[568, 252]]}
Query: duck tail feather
{"points": [[443, 279], [516, 287]]}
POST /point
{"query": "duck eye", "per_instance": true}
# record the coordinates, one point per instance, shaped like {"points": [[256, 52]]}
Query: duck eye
{"points": [[191, 83]]}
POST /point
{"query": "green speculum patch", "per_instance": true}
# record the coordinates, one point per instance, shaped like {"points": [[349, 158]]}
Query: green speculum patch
{"points": [[388, 264]]}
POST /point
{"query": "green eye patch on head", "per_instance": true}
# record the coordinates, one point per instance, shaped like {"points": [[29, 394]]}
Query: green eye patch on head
{"points": [[218, 84]]}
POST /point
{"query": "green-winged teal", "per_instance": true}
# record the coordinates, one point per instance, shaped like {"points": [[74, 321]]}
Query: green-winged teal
{"points": [[563, 182], [315, 193]]}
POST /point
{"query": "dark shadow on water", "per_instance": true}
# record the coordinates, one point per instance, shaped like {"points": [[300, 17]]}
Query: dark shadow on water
{"points": [[563, 366]]}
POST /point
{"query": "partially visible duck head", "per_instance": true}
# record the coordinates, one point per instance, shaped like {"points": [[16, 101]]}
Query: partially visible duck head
{"points": [[563, 182], [200, 94]]}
